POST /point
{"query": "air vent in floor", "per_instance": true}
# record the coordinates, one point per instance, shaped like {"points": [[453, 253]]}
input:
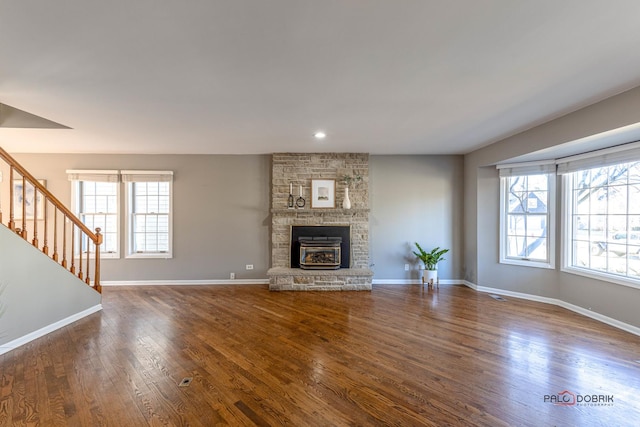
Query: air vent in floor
{"points": [[185, 382]]}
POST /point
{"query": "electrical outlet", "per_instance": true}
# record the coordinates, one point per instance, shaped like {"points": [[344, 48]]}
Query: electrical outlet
{"points": [[232, 276], [249, 266], [406, 267]]}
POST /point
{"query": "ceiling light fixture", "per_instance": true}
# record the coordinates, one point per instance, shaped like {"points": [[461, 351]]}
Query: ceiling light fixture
{"points": [[319, 135]]}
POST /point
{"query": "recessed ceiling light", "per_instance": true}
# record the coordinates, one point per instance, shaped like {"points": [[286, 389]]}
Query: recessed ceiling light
{"points": [[319, 135]]}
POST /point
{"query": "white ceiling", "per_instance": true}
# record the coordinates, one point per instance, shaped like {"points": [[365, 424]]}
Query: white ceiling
{"points": [[255, 76]]}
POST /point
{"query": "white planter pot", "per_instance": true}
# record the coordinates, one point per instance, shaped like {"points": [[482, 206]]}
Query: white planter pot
{"points": [[430, 275]]}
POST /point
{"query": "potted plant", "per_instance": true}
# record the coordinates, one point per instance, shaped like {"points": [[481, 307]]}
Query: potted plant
{"points": [[430, 261]]}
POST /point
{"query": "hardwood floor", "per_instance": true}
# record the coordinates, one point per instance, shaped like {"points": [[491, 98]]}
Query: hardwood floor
{"points": [[398, 355]]}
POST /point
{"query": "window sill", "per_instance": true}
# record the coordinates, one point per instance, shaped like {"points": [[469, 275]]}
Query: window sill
{"points": [[150, 256], [102, 256], [524, 263], [602, 276]]}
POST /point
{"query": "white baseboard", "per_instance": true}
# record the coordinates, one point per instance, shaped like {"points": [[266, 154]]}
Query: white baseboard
{"points": [[560, 303], [252, 282], [413, 282], [248, 282], [4, 348], [184, 282]]}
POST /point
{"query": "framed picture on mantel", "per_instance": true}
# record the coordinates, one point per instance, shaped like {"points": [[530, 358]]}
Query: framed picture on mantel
{"points": [[323, 193]]}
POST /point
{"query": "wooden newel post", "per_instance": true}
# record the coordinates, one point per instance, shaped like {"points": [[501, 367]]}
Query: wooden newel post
{"points": [[97, 273]]}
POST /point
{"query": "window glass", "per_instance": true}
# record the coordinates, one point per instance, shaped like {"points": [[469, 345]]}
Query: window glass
{"points": [[526, 219], [150, 211], [98, 208], [604, 224]]}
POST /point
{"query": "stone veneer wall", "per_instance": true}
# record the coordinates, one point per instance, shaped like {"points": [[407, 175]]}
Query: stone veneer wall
{"points": [[299, 169]]}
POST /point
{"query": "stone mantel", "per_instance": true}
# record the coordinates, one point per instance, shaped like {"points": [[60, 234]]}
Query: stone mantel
{"points": [[337, 211]]}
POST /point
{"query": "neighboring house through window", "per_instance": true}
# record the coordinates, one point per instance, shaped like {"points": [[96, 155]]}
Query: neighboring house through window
{"points": [[527, 199]]}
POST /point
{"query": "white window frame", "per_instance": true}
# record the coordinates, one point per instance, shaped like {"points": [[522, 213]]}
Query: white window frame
{"points": [[628, 153], [77, 177], [528, 169], [129, 177]]}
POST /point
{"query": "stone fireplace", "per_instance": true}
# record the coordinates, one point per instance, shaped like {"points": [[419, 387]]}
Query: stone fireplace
{"points": [[319, 226]]}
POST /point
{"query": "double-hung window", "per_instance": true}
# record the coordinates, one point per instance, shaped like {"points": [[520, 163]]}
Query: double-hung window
{"points": [[95, 198], [602, 214], [148, 197], [527, 200]]}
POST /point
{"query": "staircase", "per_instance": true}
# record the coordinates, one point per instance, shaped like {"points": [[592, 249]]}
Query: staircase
{"points": [[39, 218]]}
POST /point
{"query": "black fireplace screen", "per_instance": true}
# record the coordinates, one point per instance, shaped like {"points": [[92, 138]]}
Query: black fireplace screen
{"points": [[326, 232]]}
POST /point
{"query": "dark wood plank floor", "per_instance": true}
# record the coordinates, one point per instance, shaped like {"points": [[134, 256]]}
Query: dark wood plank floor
{"points": [[398, 355]]}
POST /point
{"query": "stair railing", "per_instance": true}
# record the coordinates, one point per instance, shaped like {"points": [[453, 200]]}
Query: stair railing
{"points": [[32, 206]]}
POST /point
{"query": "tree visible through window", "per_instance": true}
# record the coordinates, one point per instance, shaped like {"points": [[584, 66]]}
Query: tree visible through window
{"points": [[605, 219]]}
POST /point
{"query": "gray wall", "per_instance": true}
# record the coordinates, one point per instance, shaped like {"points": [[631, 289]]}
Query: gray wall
{"points": [[481, 220], [35, 291], [536, 281], [415, 198], [221, 212]]}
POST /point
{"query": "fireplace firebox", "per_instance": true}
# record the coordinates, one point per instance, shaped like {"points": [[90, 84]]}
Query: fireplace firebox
{"points": [[320, 246], [320, 253]]}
